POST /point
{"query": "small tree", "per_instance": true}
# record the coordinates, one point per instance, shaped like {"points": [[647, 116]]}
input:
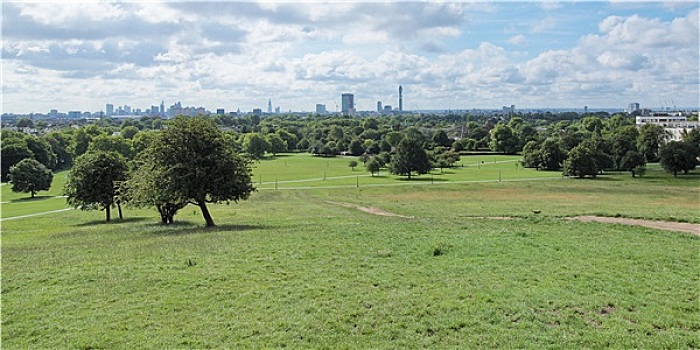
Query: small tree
{"points": [[30, 176], [91, 181], [256, 145], [373, 165], [277, 144], [353, 164]]}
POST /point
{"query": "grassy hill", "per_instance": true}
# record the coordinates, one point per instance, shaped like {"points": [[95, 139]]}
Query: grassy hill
{"points": [[292, 268]]}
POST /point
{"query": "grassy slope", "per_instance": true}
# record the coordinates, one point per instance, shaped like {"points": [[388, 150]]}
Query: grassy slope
{"points": [[287, 269]]}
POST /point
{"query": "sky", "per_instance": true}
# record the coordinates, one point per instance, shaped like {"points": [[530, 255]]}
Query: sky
{"points": [[446, 55]]}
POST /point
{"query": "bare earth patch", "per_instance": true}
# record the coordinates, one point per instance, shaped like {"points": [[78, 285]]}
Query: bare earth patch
{"points": [[373, 211], [661, 225]]}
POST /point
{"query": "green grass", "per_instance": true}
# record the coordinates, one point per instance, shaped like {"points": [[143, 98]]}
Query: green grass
{"points": [[18, 203], [288, 269]]}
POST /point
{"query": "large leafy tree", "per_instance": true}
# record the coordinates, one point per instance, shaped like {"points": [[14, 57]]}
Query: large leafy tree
{"points": [[649, 141], [676, 156], [193, 164], [410, 157], [30, 176], [13, 151], [503, 139], [149, 186], [93, 182], [581, 161], [256, 145]]}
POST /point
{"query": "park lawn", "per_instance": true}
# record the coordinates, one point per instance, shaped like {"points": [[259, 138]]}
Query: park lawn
{"points": [[308, 171], [289, 269], [19, 203]]}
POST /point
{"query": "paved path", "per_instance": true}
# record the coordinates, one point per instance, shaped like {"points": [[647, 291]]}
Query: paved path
{"points": [[35, 214]]}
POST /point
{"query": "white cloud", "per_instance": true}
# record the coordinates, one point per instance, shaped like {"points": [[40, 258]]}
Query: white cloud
{"points": [[518, 40]]}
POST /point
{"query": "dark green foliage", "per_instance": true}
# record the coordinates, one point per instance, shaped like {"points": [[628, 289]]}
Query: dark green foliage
{"points": [[93, 181], [30, 176], [410, 157], [373, 165], [581, 161], [504, 140], [649, 140], [193, 164], [109, 143], [256, 145], [13, 151], [677, 156], [277, 144]]}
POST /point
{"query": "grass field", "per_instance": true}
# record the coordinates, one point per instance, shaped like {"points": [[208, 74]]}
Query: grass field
{"points": [[289, 269]]}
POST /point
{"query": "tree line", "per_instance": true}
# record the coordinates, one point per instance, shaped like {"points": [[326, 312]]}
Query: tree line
{"points": [[149, 161]]}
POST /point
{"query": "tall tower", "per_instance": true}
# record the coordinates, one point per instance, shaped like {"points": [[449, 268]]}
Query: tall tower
{"points": [[400, 98], [269, 105], [348, 104]]}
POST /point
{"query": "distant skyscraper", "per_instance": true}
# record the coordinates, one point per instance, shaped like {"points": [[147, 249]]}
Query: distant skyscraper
{"points": [[269, 105], [109, 110], [400, 98], [379, 106], [585, 109], [633, 107], [162, 108], [321, 109], [277, 110], [348, 102]]}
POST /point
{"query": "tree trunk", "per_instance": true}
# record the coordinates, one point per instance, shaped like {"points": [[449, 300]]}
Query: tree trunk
{"points": [[109, 216], [119, 206], [205, 213]]}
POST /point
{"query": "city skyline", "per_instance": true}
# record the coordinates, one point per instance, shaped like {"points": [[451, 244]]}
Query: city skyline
{"points": [[231, 55]]}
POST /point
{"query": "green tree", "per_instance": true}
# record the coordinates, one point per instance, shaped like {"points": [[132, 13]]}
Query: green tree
{"points": [[110, 143], [42, 151], [60, 145], [149, 186], [197, 166], [649, 141], [581, 161], [410, 157], [94, 179], [676, 156], [503, 139], [128, 132], [441, 139], [394, 137], [552, 154], [256, 145], [531, 155], [277, 144], [355, 148], [373, 166], [13, 151], [633, 162], [353, 164], [30, 176], [624, 140]]}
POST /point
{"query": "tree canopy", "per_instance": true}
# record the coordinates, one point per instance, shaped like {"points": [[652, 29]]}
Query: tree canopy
{"points": [[193, 164], [94, 180], [410, 157], [30, 176]]}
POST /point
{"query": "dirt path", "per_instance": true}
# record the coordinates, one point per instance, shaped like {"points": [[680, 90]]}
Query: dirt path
{"points": [[661, 225], [373, 211]]}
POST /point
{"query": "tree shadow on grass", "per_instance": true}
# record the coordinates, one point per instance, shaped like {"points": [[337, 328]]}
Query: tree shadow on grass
{"points": [[422, 179], [29, 199], [187, 227], [117, 221]]}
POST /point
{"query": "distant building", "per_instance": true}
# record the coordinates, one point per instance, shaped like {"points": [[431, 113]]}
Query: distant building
{"points": [[379, 106], [74, 114], [387, 108], [269, 105], [162, 108], [220, 111], [258, 112], [348, 103], [277, 110], [633, 107], [321, 109], [674, 123], [585, 109], [109, 109], [400, 98]]}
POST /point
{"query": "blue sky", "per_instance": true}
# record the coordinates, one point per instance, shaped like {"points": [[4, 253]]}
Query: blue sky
{"points": [[447, 55]]}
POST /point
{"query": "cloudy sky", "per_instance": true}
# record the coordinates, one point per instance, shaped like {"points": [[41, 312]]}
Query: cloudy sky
{"points": [[447, 55]]}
